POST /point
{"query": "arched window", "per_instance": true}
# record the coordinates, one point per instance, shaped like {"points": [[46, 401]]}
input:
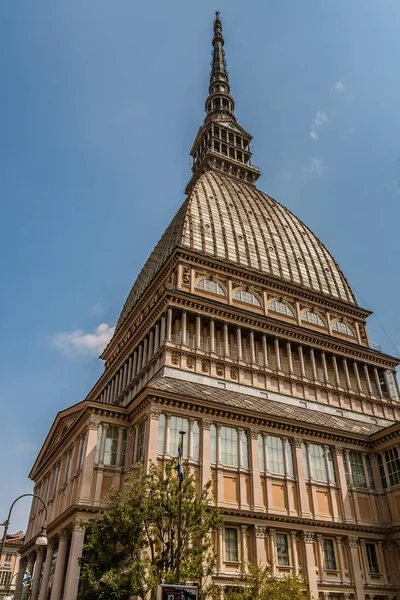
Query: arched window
{"points": [[281, 308], [343, 328], [212, 287], [247, 297], [313, 318]]}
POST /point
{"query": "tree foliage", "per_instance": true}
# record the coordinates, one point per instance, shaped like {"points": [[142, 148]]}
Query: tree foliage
{"points": [[256, 582], [132, 547]]}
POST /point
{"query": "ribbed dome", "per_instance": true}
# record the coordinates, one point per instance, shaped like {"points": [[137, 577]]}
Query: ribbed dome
{"points": [[234, 222]]}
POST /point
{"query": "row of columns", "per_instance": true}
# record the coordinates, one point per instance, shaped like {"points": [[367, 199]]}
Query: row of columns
{"points": [[138, 359], [66, 570]]}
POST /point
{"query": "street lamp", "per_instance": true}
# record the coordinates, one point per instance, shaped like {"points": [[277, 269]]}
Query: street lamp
{"points": [[41, 540]]}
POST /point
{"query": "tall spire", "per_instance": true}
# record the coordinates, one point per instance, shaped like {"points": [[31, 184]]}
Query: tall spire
{"points": [[221, 143]]}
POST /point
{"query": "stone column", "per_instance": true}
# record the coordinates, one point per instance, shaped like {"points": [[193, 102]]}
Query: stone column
{"points": [[46, 570], [220, 547], [74, 568], [301, 359], [324, 367], [377, 382], [295, 558], [151, 345], [205, 453], [346, 374], [139, 361], [85, 491], [320, 554], [343, 489], [260, 544], [302, 489], [239, 343], [367, 379], [289, 356], [357, 375], [355, 568], [38, 573], [26, 589], [169, 324], [256, 475], [382, 563], [336, 370], [152, 440], [60, 566], [313, 365], [184, 327], [308, 537], [271, 550], [198, 331], [243, 544], [145, 351], [340, 557], [212, 335], [162, 330], [265, 349], [226, 340], [252, 348], [277, 354], [104, 429]]}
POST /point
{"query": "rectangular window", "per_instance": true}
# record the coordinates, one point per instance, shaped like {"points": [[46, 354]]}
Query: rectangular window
{"points": [[370, 473], [195, 440], [140, 442], [275, 459], [319, 457], [123, 448], [357, 470], [231, 544], [177, 424], [382, 472], [329, 555], [245, 450], [111, 447], [282, 549], [372, 558], [229, 446], [161, 433], [393, 465], [8, 558], [261, 458]]}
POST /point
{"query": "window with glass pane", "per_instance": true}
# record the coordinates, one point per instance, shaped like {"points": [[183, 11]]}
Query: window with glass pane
{"points": [[281, 308], [213, 444], [329, 554], [231, 544], [245, 450], [111, 447], [331, 465], [207, 285], [261, 458], [275, 458], [282, 549], [343, 328], [357, 470], [382, 472], [289, 455], [317, 460], [372, 558], [313, 318], [161, 433], [305, 461], [393, 465], [68, 467], [247, 298], [229, 446], [370, 473], [98, 444], [140, 442], [177, 424]]}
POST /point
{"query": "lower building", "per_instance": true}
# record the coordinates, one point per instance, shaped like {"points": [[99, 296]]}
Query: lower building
{"points": [[241, 330], [9, 564]]}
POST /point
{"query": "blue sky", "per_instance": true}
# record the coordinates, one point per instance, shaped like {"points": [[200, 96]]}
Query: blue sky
{"points": [[99, 104]]}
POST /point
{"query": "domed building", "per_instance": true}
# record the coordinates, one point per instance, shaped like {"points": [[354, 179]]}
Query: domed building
{"points": [[241, 330]]}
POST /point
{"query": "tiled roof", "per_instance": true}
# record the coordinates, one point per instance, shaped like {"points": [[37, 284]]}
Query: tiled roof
{"points": [[268, 408], [234, 222]]}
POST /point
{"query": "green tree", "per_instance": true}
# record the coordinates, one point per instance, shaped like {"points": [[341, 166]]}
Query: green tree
{"points": [[256, 582], [132, 547]]}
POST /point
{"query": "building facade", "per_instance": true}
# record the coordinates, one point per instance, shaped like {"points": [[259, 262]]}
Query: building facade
{"points": [[242, 330], [9, 563]]}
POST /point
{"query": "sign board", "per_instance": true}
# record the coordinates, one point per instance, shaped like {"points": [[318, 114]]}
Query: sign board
{"points": [[177, 592]]}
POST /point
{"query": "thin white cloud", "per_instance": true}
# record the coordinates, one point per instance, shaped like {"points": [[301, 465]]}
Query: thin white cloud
{"points": [[98, 309], [315, 168], [394, 187], [320, 118], [338, 87], [80, 342]]}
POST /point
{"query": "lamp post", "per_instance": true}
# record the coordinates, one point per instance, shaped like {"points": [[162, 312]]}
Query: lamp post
{"points": [[41, 539]]}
